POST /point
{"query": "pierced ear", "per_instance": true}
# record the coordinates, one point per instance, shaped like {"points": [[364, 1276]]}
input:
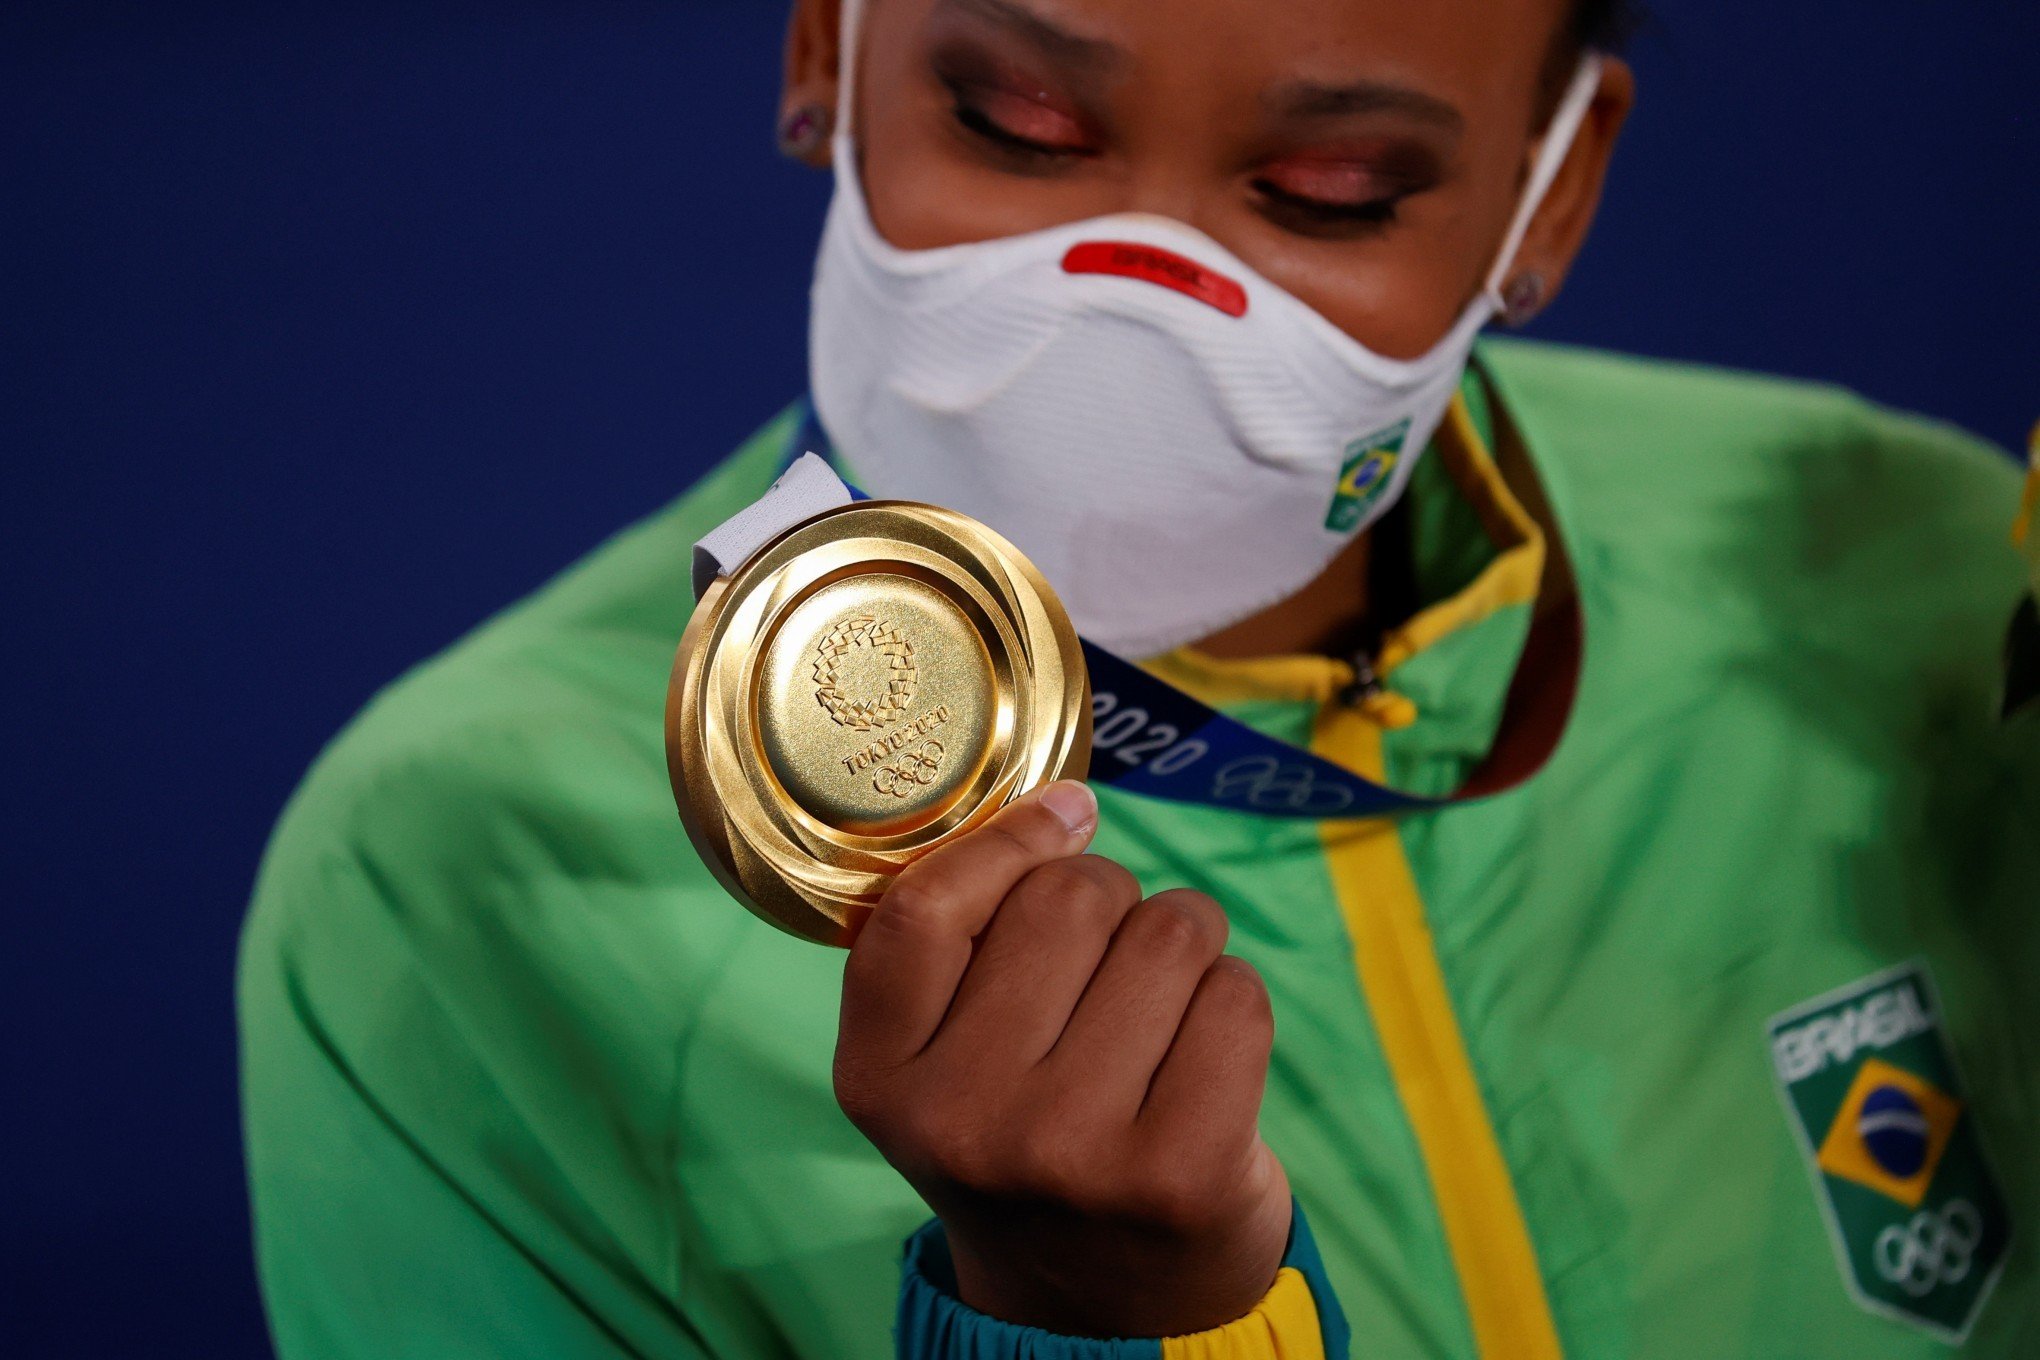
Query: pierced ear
{"points": [[1560, 226], [807, 99]]}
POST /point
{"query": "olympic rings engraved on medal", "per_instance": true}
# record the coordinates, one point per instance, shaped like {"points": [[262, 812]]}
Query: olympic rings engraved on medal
{"points": [[1131, 736], [864, 714], [1930, 1249], [1267, 782], [914, 769]]}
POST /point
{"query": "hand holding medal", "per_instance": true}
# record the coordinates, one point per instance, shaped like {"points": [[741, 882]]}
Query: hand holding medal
{"points": [[862, 685]]}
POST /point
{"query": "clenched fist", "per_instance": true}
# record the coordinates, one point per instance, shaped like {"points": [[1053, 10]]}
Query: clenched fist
{"points": [[1071, 1076]]}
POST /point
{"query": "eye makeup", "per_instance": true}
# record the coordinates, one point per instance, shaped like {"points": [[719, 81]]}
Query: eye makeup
{"points": [[1331, 162], [1007, 109], [1347, 190]]}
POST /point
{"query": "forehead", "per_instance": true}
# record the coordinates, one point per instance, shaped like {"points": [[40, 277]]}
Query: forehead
{"points": [[1457, 44]]}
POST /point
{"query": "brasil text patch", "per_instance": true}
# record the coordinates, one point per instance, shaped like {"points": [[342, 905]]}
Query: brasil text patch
{"points": [[1918, 1222]]}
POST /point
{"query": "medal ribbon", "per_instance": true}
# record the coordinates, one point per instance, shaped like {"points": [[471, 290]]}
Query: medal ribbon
{"points": [[1149, 737]]}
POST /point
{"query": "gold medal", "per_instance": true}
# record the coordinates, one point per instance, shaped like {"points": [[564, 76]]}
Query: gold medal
{"points": [[878, 679]]}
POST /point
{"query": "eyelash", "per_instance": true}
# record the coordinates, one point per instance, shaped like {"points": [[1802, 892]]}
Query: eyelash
{"points": [[975, 121], [1309, 216], [978, 123], [1373, 214]]}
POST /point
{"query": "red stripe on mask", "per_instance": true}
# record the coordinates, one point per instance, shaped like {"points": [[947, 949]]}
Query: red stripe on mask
{"points": [[1135, 261]]}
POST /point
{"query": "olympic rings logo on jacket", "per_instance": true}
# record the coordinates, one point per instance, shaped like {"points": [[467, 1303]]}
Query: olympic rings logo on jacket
{"points": [[1932, 1249]]}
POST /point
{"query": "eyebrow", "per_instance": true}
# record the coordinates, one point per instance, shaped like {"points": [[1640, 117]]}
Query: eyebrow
{"points": [[1070, 49], [1312, 99]]}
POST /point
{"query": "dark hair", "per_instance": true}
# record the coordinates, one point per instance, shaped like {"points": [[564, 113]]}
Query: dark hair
{"points": [[1604, 25]]}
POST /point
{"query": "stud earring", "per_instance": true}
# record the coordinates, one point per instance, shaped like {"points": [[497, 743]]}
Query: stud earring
{"points": [[1523, 298], [804, 130]]}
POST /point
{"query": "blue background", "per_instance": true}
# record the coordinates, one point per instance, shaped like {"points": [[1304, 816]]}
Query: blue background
{"points": [[328, 333]]}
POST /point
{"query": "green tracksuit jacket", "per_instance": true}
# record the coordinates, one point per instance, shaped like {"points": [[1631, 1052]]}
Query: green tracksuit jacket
{"points": [[1719, 1037]]}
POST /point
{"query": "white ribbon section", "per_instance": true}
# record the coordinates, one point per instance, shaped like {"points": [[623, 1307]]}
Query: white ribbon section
{"points": [[804, 490]]}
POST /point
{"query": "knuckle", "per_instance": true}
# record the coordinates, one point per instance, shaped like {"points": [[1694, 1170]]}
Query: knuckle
{"points": [[941, 1141], [868, 1100], [1183, 924], [1083, 885], [1237, 984], [911, 907], [1246, 1025], [1002, 836], [858, 1097], [1111, 878]]}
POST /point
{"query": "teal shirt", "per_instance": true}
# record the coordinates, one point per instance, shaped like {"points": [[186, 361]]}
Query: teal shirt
{"points": [[521, 1080]]}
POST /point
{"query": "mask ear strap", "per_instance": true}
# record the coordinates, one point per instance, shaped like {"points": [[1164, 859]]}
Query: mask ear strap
{"points": [[1551, 154], [850, 20]]}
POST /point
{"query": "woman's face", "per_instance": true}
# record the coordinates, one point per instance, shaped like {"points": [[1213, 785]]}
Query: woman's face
{"points": [[1365, 155]]}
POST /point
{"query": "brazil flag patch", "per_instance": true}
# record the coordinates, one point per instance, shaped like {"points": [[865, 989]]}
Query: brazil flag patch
{"points": [[1365, 471], [1918, 1222]]}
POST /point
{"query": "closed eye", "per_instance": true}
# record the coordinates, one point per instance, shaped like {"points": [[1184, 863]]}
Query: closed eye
{"points": [[1016, 124], [1324, 217]]}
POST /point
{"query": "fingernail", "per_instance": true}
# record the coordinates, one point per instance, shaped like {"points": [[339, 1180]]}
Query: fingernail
{"points": [[1073, 804]]}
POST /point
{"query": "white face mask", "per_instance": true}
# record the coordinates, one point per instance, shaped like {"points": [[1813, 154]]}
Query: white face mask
{"points": [[1176, 442]]}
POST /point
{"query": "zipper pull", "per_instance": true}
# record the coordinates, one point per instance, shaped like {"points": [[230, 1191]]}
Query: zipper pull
{"points": [[1365, 683]]}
